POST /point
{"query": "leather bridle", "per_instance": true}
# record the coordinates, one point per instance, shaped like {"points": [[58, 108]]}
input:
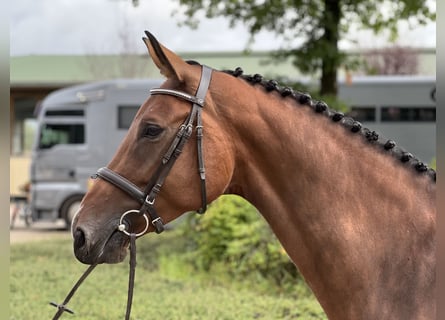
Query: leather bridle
{"points": [[147, 197]]}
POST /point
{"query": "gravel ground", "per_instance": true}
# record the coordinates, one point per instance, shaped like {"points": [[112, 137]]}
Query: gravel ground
{"points": [[37, 231]]}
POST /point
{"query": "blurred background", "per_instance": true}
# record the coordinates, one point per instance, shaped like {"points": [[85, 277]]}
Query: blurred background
{"points": [[372, 59], [55, 45]]}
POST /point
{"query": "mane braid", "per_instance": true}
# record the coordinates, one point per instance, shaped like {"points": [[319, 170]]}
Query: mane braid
{"points": [[349, 123]]}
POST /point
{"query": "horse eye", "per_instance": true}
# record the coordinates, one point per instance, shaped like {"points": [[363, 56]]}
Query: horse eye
{"points": [[152, 131]]}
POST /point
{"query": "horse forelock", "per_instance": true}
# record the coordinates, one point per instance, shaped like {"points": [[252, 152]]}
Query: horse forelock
{"points": [[320, 107]]}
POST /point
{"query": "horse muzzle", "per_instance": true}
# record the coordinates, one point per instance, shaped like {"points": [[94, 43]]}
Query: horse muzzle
{"points": [[92, 246]]}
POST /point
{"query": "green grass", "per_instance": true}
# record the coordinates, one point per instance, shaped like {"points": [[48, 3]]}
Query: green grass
{"points": [[166, 287]]}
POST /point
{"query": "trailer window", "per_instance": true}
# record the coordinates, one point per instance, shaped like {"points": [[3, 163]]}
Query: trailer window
{"points": [[393, 114], [125, 116], [362, 114], [53, 134], [73, 113]]}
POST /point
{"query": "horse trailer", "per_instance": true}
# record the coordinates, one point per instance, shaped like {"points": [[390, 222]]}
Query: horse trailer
{"points": [[401, 108], [79, 130]]}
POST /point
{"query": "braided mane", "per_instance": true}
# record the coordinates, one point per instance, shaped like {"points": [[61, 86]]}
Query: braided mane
{"points": [[349, 123]]}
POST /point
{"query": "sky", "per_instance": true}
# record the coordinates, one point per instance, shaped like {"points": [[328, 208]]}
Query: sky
{"points": [[103, 26]]}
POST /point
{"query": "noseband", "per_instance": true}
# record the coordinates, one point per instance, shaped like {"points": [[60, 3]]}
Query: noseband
{"points": [[147, 197]]}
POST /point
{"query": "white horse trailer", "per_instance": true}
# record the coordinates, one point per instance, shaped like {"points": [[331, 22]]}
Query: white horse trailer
{"points": [[79, 130], [401, 108]]}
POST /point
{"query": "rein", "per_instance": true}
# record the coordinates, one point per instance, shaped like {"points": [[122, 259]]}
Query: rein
{"points": [[148, 197], [62, 307]]}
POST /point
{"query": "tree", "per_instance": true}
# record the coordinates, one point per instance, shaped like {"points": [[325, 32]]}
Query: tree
{"points": [[320, 24], [126, 63]]}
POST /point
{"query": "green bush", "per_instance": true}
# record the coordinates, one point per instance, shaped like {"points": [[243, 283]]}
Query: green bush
{"points": [[433, 163], [233, 233]]}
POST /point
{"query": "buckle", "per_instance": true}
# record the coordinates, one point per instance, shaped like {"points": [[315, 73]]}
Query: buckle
{"points": [[148, 201], [158, 224]]}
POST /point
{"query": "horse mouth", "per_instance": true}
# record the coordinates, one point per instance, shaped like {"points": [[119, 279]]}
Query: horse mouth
{"points": [[104, 249]]}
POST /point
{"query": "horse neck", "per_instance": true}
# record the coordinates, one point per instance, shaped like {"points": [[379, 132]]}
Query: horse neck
{"points": [[339, 207]]}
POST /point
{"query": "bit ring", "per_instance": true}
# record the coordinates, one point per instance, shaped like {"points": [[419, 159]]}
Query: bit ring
{"points": [[122, 226]]}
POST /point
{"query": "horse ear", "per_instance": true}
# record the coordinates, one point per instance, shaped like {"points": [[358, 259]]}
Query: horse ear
{"points": [[169, 64]]}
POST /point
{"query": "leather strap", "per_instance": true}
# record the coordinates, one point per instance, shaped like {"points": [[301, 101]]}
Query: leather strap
{"points": [[121, 182], [182, 137], [131, 275], [61, 308], [206, 76]]}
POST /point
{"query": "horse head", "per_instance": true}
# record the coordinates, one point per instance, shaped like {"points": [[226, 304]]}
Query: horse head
{"points": [[147, 175]]}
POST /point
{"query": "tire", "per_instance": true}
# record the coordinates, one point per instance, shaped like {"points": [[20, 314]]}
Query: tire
{"points": [[69, 209]]}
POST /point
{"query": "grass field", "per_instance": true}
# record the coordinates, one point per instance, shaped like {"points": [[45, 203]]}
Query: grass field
{"points": [[166, 287]]}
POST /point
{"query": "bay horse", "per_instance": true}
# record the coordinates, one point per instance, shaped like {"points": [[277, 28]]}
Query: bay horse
{"points": [[354, 212]]}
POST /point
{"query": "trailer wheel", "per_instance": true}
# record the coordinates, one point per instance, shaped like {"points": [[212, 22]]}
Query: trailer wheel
{"points": [[69, 209]]}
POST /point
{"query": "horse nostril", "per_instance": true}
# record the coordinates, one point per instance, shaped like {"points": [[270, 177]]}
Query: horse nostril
{"points": [[79, 238]]}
